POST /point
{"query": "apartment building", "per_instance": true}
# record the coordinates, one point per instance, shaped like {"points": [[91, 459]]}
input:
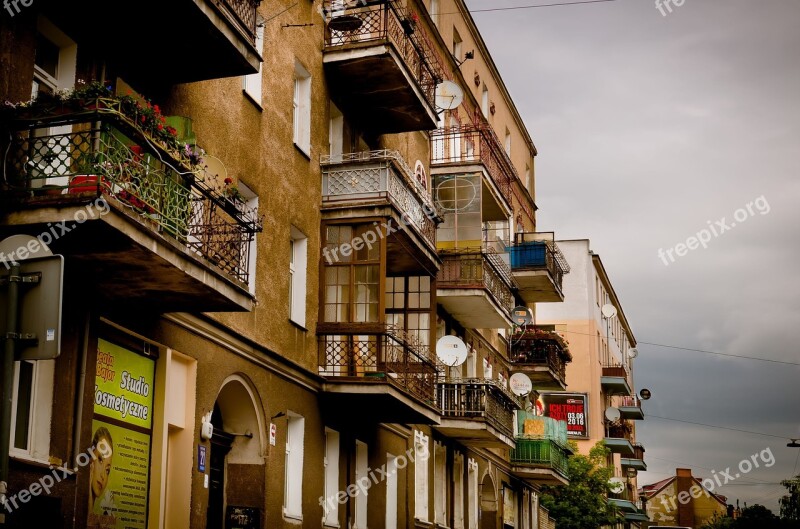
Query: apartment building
{"points": [[601, 403], [267, 220]]}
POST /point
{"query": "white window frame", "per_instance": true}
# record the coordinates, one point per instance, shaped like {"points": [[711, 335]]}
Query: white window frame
{"points": [[421, 464], [301, 109], [391, 491], [439, 483], [458, 491], [251, 202], [485, 101], [330, 511], [434, 11], [40, 412], [298, 270], [252, 84], [361, 498], [472, 493], [507, 143], [293, 479], [458, 44]]}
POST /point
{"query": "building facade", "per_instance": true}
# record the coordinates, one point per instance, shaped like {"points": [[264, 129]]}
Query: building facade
{"points": [[683, 500], [601, 388], [268, 217]]}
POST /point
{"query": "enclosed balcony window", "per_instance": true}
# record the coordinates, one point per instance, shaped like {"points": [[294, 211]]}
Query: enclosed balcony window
{"points": [[408, 306], [352, 276], [459, 199]]}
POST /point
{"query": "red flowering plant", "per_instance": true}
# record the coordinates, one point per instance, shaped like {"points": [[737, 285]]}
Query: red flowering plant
{"points": [[232, 192]]}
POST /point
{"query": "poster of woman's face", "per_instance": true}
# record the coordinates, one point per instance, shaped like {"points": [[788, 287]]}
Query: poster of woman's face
{"points": [[100, 466]]}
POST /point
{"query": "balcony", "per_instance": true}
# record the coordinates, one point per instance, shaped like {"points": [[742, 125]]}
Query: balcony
{"points": [[149, 227], [632, 510], [178, 41], [618, 439], [630, 407], [378, 371], [381, 68], [380, 183], [538, 266], [614, 380], [470, 150], [477, 412], [541, 450], [637, 461], [475, 287], [543, 356]]}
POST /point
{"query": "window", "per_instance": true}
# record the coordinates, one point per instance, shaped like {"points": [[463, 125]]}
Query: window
{"points": [[408, 306], [458, 491], [252, 82], [485, 101], [507, 143], [293, 491], [434, 11], [301, 105], [298, 263], [457, 45], [331, 462], [440, 484], [31, 409], [250, 248], [362, 469], [391, 492], [336, 134], [528, 183], [487, 368], [472, 493], [421, 458], [352, 275]]}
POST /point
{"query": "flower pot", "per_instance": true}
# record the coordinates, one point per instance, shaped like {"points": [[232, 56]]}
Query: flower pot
{"points": [[88, 184]]}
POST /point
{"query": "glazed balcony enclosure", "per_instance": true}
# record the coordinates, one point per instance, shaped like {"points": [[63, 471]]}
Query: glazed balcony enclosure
{"points": [[178, 41], [379, 184], [137, 221], [637, 461], [542, 355], [538, 266], [477, 412], [381, 67], [541, 452], [378, 372], [475, 287]]}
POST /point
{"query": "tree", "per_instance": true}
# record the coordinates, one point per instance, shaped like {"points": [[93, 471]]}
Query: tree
{"points": [[790, 504], [719, 522], [582, 504], [757, 517]]}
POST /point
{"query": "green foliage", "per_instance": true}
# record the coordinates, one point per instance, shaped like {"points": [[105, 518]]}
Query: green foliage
{"points": [[719, 522], [790, 503], [582, 504]]}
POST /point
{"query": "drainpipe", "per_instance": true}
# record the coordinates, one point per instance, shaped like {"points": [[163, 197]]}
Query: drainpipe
{"points": [[78, 418]]}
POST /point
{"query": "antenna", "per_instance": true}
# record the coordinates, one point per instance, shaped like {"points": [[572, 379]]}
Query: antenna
{"points": [[448, 96], [609, 311], [613, 414], [451, 350], [633, 353], [520, 384]]}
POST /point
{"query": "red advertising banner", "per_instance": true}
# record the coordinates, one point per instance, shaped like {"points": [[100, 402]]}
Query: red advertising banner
{"points": [[569, 407]]}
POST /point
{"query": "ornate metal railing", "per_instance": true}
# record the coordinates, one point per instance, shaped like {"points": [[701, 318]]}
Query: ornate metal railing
{"points": [[629, 401], [475, 144], [478, 399], [532, 251], [544, 453], [619, 430], [474, 268], [539, 349], [377, 352], [382, 174], [244, 12], [638, 451], [80, 156], [371, 23]]}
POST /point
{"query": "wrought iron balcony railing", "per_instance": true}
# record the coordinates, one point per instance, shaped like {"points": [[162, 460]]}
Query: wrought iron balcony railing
{"points": [[544, 453], [385, 22], [480, 269], [383, 174], [244, 13], [534, 251], [75, 156], [470, 144], [377, 352], [478, 399], [541, 348]]}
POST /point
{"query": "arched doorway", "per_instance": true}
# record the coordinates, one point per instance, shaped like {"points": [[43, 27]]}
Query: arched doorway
{"points": [[236, 461], [488, 503]]}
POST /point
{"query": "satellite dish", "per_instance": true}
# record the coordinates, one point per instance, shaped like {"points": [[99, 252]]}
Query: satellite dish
{"points": [[617, 485], [451, 350], [448, 95], [521, 315], [632, 472], [520, 384], [633, 353], [613, 414], [11, 245], [609, 311], [645, 394], [215, 169]]}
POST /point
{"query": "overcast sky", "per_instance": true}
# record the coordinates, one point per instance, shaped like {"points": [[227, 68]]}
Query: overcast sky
{"points": [[648, 127]]}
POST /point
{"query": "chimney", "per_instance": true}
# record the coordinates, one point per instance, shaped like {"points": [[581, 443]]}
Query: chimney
{"points": [[683, 483]]}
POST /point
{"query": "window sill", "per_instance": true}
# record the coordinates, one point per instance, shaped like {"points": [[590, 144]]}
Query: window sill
{"points": [[422, 524], [252, 99], [295, 519], [305, 152], [304, 329], [38, 463]]}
